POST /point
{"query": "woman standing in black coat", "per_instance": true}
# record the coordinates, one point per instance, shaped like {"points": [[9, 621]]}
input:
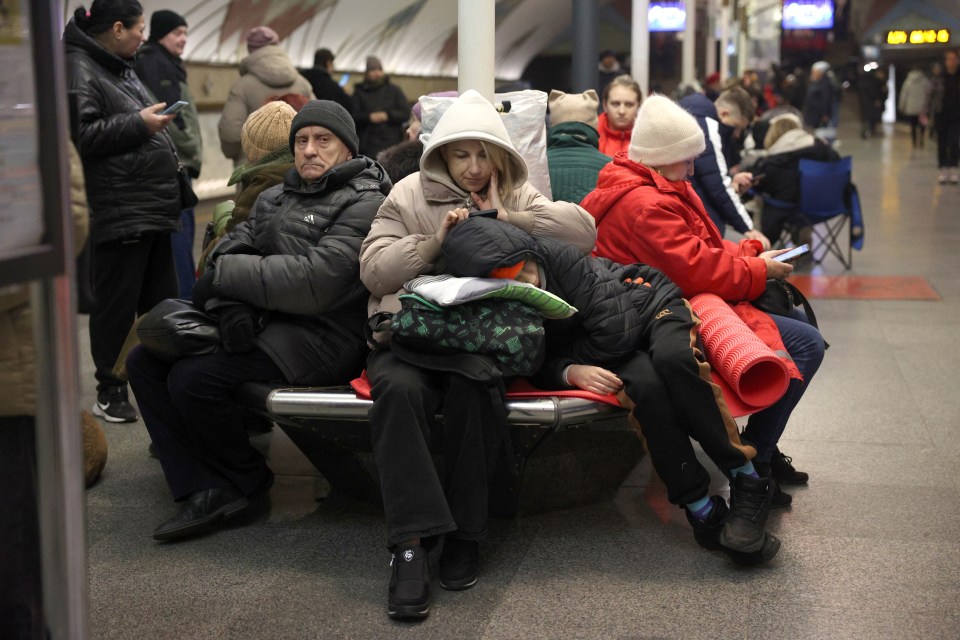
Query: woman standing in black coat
{"points": [[131, 173]]}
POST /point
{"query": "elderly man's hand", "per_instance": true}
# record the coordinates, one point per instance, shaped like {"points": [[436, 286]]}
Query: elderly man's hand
{"points": [[238, 327], [204, 289]]}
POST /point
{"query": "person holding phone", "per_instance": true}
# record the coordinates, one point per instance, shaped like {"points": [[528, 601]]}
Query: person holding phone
{"points": [[160, 67], [722, 123], [648, 212], [320, 77], [132, 187], [468, 164], [786, 143]]}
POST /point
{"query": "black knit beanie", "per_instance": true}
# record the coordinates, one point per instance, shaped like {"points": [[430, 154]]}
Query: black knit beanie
{"points": [[329, 114], [163, 22]]}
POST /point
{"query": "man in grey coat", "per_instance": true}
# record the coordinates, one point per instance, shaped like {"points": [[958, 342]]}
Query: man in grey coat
{"points": [[285, 289]]}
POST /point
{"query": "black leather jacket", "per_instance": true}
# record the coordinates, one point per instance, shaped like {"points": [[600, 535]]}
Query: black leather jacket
{"points": [[131, 176]]}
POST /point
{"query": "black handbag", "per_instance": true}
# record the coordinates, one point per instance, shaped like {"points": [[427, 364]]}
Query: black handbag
{"points": [[188, 198], [781, 297], [176, 329]]}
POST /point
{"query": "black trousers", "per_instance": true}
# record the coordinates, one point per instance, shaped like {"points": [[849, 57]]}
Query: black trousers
{"points": [[675, 400], [915, 128], [418, 500], [774, 220], [948, 143], [21, 596], [129, 278], [197, 430]]}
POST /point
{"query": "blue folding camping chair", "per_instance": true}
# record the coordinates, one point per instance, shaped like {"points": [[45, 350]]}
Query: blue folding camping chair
{"points": [[828, 201]]}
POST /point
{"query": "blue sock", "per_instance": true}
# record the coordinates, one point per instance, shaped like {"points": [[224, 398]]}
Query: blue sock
{"points": [[700, 509], [747, 469]]}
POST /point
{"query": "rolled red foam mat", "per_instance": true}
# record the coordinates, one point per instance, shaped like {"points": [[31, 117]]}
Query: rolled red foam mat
{"points": [[752, 370]]}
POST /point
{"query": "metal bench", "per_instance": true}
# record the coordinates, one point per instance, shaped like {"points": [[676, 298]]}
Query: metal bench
{"points": [[569, 451]]}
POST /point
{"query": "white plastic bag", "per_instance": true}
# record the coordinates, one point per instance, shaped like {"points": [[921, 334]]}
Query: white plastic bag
{"points": [[525, 123]]}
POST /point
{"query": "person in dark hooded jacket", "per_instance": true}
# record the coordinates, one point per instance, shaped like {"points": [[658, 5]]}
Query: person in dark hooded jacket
{"points": [[286, 290], [160, 67], [722, 122], [382, 108], [634, 335], [130, 168]]}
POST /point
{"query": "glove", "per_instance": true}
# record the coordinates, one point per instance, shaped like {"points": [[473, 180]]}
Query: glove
{"points": [[204, 289], [238, 327]]}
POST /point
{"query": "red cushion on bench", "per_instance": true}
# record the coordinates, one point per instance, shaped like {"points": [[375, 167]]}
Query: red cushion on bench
{"points": [[518, 389]]}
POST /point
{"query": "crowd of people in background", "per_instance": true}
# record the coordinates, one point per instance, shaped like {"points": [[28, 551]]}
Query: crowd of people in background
{"points": [[340, 202]]}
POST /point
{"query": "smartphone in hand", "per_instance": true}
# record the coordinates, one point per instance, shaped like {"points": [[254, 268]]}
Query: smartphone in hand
{"points": [[484, 213], [175, 107], [793, 254]]}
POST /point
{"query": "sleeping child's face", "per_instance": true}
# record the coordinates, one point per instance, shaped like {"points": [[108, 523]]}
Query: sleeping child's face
{"points": [[530, 273]]}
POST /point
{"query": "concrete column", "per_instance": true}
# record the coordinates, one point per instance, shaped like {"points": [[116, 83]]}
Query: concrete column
{"points": [[713, 19], [725, 10], [476, 44], [640, 45], [688, 63], [584, 74]]}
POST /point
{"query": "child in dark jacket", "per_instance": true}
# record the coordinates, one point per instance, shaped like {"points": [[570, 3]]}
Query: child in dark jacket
{"points": [[634, 335]]}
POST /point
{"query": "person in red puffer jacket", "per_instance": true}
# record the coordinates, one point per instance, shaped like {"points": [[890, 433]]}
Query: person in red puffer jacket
{"points": [[647, 211], [621, 100]]}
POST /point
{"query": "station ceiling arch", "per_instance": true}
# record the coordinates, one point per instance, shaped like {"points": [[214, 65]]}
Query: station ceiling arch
{"points": [[411, 37]]}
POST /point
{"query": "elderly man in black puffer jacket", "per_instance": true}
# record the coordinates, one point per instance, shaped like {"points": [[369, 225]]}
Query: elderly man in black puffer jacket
{"points": [[285, 285], [635, 336]]}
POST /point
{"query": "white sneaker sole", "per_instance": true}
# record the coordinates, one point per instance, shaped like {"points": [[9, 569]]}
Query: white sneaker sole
{"points": [[100, 413]]}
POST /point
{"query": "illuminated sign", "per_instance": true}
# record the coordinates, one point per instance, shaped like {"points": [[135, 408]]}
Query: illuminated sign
{"points": [[807, 14], [918, 36], [666, 16]]}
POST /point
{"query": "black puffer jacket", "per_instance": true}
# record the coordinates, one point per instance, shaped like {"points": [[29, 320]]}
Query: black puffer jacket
{"points": [[612, 318], [298, 255], [131, 175]]}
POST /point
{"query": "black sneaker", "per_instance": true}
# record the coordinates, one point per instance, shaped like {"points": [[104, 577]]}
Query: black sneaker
{"points": [[749, 508], [780, 498], [409, 594], [459, 564], [781, 467], [113, 406], [707, 534]]}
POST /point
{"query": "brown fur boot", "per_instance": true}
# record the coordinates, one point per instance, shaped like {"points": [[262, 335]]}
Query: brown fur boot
{"points": [[94, 447]]}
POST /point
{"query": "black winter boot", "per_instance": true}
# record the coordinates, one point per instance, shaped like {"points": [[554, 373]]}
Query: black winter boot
{"points": [[749, 508]]}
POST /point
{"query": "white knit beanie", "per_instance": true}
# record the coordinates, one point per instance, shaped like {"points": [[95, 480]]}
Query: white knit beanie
{"points": [[664, 133]]}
